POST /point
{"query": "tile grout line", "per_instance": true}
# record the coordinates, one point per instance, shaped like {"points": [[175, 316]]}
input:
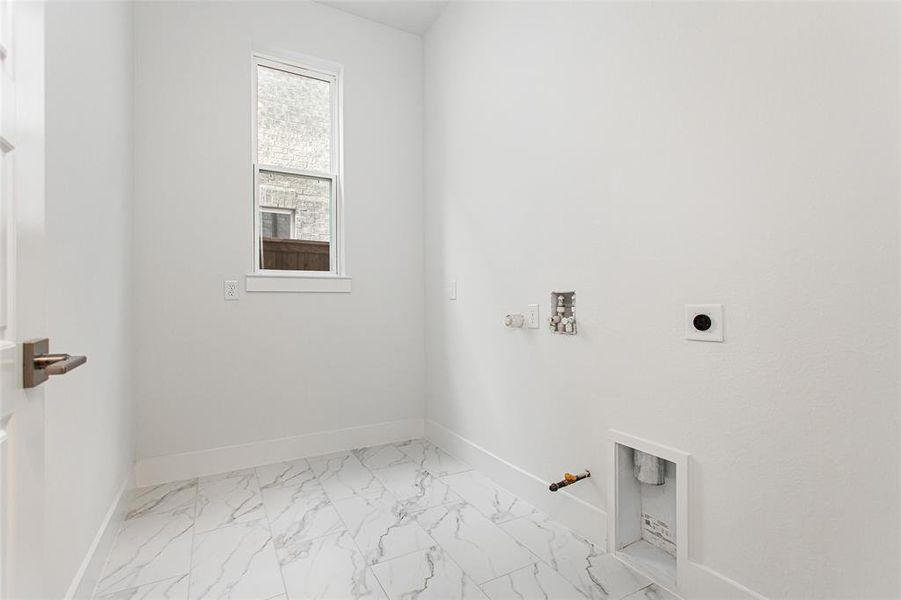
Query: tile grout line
{"points": [[561, 525], [582, 539], [405, 554], [393, 497], [437, 543], [532, 564], [353, 540], [112, 547], [508, 534], [498, 526], [498, 523], [496, 488], [412, 515], [119, 530], [278, 561], [473, 579], [147, 584], [193, 536]]}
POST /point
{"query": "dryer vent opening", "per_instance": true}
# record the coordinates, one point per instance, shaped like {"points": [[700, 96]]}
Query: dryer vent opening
{"points": [[647, 536]]}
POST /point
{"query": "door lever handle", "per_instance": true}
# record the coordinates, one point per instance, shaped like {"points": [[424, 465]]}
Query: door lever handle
{"points": [[45, 360], [39, 364], [61, 367]]}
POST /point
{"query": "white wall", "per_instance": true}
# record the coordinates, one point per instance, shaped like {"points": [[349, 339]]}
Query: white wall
{"points": [[89, 447], [653, 155], [211, 373]]}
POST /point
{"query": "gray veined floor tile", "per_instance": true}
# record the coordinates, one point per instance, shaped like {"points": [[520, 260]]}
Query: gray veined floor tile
{"points": [[296, 473], [426, 575], [415, 488], [379, 457], [168, 589], [479, 546], [236, 562], [342, 475], [223, 475], [491, 500], [165, 498], [535, 582], [147, 550], [299, 514], [652, 592], [228, 500], [347, 525], [595, 573], [413, 446], [381, 527], [328, 568], [432, 458]]}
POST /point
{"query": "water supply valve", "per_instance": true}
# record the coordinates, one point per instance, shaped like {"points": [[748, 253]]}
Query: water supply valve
{"points": [[569, 479], [514, 320]]}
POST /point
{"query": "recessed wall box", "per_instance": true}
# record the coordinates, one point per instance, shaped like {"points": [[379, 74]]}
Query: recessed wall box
{"points": [[563, 313]]}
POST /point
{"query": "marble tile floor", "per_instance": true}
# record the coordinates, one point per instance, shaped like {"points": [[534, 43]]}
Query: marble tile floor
{"points": [[403, 521]]}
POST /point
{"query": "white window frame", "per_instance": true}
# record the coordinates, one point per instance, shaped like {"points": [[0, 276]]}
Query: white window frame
{"points": [[336, 279], [282, 211]]}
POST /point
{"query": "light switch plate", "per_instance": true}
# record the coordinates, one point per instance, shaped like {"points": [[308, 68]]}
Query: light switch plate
{"points": [[532, 316], [231, 289], [452, 290], [714, 312]]}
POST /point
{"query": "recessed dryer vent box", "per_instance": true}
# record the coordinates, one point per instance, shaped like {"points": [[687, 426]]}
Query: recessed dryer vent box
{"points": [[647, 526], [563, 313]]}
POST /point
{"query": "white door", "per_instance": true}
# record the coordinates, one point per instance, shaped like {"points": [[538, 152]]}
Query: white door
{"points": [[22, 307]]}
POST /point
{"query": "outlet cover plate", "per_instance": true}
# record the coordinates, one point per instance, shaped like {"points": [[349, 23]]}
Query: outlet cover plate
{"points": [[532, 316], [715, 312], [230, 288]]}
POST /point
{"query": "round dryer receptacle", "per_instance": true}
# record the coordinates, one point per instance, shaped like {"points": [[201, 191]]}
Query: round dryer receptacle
{"points": [[702, 322]]}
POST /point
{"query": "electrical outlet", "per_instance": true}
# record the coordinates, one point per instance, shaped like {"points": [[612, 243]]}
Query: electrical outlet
{"points": [[532, 316], [231, 289], [704, 322]]}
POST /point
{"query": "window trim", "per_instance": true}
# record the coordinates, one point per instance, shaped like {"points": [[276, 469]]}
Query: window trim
{"points": [[258, 277]]}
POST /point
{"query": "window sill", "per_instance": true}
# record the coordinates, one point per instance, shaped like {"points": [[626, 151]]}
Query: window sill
{"points": [[296, 282]]}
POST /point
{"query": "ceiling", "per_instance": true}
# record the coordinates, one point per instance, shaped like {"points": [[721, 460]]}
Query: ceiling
{"points": [[413, 16]]}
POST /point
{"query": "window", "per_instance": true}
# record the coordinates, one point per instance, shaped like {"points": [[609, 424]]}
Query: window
{"points": [[277, 223], [296, 169]]}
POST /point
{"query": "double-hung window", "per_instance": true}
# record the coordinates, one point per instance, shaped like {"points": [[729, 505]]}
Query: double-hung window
{"points": [[296, 169]]}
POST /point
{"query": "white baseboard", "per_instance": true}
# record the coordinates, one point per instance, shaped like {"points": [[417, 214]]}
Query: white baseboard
{"points": [[85, 580], [697, 581], [175, 467], [585, 519], [700, 582]]}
